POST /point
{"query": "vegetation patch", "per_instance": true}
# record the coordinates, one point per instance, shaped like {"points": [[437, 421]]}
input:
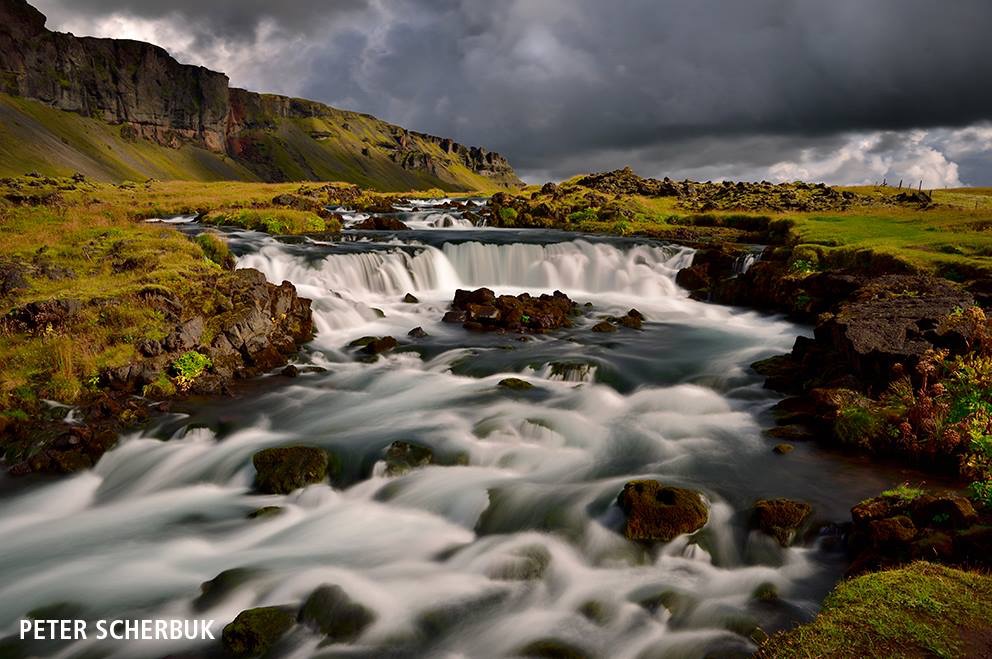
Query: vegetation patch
{"points": [[919, 610], [272, 220]]}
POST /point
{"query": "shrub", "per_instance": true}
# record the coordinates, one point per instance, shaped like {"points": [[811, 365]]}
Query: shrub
{"points": [[585, 215], [189, 366]]}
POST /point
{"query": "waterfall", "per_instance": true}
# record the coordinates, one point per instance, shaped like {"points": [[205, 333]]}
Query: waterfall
{"points": [[571, 266]]}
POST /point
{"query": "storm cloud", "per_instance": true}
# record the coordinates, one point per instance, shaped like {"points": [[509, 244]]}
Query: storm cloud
{"points": [[845, 91]]}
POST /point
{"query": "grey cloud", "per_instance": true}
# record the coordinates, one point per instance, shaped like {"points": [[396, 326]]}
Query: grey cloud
{"points": [[562, 86]]}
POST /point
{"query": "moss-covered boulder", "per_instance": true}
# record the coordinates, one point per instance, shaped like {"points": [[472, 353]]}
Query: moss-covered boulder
{"points": [[660, 512], [283, 469], [254, 631], [330, 611], [780, 518], [515, 384]]}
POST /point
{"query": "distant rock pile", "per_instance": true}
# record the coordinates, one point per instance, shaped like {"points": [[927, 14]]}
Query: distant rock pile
{"points": [[481, 310], [742, 195]]}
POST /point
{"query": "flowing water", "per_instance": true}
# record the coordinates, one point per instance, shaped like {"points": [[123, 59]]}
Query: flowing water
{"points": [[517, 541]]}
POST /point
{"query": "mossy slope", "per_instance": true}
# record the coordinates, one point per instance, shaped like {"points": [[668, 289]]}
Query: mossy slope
{"points": [[922, 610]]}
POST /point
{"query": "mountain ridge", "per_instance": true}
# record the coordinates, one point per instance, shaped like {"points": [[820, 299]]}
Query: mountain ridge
{"points": [[152, 97]]}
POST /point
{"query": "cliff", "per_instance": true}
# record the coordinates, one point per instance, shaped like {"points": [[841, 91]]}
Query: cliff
{"points": [[148, 97]]}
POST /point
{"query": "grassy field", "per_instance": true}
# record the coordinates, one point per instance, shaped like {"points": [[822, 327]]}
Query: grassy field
{"points": [[952, 238]]}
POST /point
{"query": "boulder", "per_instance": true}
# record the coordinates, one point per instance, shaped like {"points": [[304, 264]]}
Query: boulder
{"points": [[780, 518], [604, 327], [417, 333], [660, 512], [255, 631], [782, 449], [482, 310], [515, 384], [284, 469], [410, 298], [334, 614], [380, 223], [402, 457], [380, 345]]}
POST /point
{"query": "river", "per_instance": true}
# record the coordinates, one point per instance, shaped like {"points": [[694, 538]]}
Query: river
{"points": [[531, 474]]}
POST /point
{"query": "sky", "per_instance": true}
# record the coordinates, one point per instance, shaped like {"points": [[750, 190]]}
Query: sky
{"points": [[841, 91]]}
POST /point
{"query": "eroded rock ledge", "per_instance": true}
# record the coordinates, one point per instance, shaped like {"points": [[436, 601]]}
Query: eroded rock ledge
{"points": [[257, 325]]}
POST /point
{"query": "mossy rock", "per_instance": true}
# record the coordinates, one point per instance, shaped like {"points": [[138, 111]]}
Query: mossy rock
{"points": [[524, 564], [254, 631], [402, 457], [217, 589], [780, 518], [330, 611], [284, 469], [515, 384], [266, 512], [553, 647], [657, 512]]}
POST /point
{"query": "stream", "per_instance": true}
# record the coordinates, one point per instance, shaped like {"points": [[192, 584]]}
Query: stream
{"points": [[531, 480]]}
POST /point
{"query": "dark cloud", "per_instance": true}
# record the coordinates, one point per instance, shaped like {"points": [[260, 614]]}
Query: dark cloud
{"points": [[570, 85]]}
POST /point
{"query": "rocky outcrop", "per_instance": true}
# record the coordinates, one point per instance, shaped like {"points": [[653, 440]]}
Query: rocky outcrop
{"points": [[906, 524], [254, 631], [482, 310], [742, 195], [256, 327], [151, 96]]}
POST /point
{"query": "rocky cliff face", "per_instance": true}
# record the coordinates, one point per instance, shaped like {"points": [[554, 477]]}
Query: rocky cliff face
{"points": [[153, 97]]}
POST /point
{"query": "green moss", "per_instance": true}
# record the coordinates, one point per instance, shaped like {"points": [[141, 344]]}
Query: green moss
{"points": [[919, 610], [508, 215], [904, 493]]}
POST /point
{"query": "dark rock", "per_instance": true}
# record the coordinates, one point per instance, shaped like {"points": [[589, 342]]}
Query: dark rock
{"points": [[515, 384], [39, 316], [524, 564], [330, 611], [216, 590], [402, 457], [418, 333], [780, 518], [290, 371], [782, 449], [659, 512], [380, 223], [892, 320], [633, 319], [284, 469], [553, 648], [150, 348], [481, 310], [694, 278], [604, 326], [410, 298], [186, 336], [265, 512], [12, 278], [380, 345], [255, 631]]}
